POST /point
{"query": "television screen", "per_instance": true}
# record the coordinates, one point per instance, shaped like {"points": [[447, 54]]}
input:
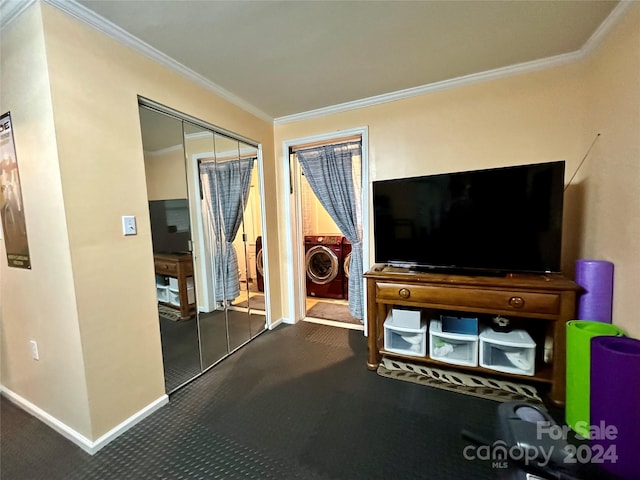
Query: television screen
{"points": [[498, 220], [170, 228]]}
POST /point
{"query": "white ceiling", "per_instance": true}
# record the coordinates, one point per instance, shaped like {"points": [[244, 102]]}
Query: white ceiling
{"points": [[287, 57]]}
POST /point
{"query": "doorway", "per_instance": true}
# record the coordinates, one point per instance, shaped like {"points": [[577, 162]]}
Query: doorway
{"points": [[204, 187], [306, 243]]}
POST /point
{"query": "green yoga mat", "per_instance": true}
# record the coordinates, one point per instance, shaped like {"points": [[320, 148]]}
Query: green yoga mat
{"points": [[579, 335]]}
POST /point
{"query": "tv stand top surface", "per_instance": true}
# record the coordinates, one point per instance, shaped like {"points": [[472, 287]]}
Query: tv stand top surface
{"points": [[551, 281]]}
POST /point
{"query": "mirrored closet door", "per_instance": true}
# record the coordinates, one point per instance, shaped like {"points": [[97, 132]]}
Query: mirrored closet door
{"points": [[220, 192]]}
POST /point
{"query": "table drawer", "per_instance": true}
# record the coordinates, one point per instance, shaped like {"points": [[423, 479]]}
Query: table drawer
{"points": [[503, 300], [166, 268]]}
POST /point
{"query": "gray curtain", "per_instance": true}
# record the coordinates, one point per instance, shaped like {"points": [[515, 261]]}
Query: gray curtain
{"points": [[328, 169], [229, 184]]}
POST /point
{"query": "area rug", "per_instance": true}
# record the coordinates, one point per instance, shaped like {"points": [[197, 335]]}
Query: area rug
{"points": [[474, 385], [256, 301], [332, 311], [169, 313]]}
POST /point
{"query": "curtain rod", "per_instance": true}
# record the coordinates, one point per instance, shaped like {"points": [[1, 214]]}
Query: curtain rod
{"points": [[335, 141]]}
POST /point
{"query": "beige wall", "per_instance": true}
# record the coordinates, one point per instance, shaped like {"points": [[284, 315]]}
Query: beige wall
{"points": [[541, 116], [528, 118], [165, 175], [100, 296], [39, 304], [610, 223]]}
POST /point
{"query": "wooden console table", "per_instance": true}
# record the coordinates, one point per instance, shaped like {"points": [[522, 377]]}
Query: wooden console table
{"points": [[541, 304], [179, 266]]}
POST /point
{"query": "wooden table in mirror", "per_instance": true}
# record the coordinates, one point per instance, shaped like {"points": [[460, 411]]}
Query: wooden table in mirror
{"points": [[174, 282]]}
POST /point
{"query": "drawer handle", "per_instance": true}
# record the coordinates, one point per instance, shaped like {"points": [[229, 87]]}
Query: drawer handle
{"points": [[404, 293], [516, 302]]}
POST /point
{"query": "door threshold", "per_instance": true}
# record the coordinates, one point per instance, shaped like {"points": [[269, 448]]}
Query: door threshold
{"points": [[333, 323]]}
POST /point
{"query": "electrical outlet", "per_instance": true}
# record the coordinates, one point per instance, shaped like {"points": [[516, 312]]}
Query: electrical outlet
{"points": [[34, 350]]}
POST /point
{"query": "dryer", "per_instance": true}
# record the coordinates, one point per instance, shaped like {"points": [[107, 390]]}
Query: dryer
{"points": [[346, 264], [259, 265], [323, 266]]}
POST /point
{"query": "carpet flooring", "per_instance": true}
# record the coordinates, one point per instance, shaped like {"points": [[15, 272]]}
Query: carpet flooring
{"points": [[189, 346], [180, 351], [295, 403]]}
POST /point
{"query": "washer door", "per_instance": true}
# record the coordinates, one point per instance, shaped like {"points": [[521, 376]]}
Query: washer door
{"points": [[259, 261], [322, 265], [347, 265]]}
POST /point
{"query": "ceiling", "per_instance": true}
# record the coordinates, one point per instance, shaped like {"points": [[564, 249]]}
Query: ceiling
{"points": [[288, 57], [283, 58]]}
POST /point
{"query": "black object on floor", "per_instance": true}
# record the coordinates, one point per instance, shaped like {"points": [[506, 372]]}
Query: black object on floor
{"points": [[295, 403]]}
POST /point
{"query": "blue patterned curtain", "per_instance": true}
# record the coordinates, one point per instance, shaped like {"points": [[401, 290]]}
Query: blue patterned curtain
{"points": [[229, 184], [328, 169]]}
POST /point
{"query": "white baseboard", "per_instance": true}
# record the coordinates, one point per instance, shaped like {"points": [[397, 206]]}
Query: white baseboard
{"points": [[333, 323], [276, 323], [89, 446]]}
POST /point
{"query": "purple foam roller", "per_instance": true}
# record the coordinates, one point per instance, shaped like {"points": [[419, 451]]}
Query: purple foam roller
{"points": [[596, 301], [615, 404]]}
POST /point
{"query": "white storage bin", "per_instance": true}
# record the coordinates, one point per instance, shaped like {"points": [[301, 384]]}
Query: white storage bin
{"points": [[162, 292], [174, 296], [509, 352], [454, 348], [191, 297], [403, 340], [173, 283], [407, 318]]}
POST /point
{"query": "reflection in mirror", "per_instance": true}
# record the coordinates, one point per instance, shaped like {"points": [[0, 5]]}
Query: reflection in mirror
{"points": [[231, 176], [208, 244], [252, 232], [171, 236], [206, 221]]}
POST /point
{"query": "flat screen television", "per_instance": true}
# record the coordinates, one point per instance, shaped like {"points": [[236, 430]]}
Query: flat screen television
{"points": [[493, 221]]}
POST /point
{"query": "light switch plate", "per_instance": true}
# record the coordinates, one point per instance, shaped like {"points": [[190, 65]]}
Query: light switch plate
{"points": [[129, 225]]}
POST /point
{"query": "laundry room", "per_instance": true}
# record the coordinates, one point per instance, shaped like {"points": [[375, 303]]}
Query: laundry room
{"points": [[327, 257]]}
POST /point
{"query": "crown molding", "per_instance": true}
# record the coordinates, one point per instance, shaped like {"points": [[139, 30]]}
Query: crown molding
{"points": [[12, 9], [433, 87], [164, 151], [101, 24], [589, 46], [605, 27]]}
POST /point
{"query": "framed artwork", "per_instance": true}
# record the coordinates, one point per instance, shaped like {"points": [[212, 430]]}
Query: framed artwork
{"points": [[11, 205]]}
